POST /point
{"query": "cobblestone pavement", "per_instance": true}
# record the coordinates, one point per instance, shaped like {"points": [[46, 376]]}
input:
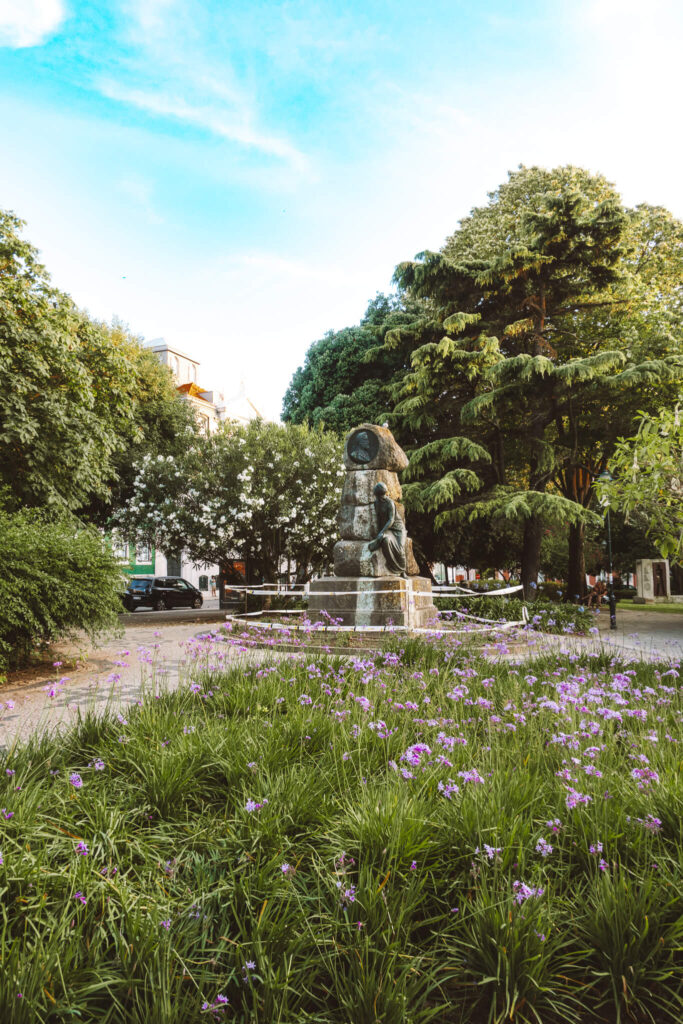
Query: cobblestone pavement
{"points": [[154, 647]]}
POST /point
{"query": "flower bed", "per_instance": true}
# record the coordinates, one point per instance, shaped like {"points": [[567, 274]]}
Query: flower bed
{"points": [[412, 836]]}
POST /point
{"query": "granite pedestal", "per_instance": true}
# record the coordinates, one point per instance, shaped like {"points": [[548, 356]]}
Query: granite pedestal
{"points": [[380, 601]]}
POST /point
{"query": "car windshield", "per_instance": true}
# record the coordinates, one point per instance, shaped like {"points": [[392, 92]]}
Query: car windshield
{"points": [[139, 584]]}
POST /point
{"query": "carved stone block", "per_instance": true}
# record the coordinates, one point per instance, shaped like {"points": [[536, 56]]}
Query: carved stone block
{"points": [[371, 447], [359, 486]]}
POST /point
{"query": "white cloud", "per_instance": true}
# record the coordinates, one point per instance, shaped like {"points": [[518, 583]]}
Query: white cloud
{"points": [[29, 22], [233, 125]]}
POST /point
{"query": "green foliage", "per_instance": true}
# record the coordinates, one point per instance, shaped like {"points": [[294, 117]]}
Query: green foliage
{"points": [[647, 488], [346, 376], [58, 578], [263, 491], [548, 616], [397, 903], [79, 400], [544, 323]]}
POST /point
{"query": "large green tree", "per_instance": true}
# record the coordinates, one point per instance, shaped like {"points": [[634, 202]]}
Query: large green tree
{"points": [[347, 375], [545, 324], [80, 400]]}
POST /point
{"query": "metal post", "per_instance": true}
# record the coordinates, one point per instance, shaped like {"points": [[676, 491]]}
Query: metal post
{"points": [[606, 477], [610, 593]]}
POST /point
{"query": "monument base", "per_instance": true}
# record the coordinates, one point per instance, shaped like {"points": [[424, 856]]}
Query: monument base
{"points": [[380, 601]]}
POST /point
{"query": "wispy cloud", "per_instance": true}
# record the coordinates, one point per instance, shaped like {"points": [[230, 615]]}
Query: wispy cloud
{"points": [[233, 125], [29, 22], [180, 66]]}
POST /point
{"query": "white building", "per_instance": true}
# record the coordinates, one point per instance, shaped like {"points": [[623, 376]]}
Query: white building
{"points": [[211, 409]]}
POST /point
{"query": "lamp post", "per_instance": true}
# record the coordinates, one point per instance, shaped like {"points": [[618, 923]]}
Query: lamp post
{"points": [[606, 477]]}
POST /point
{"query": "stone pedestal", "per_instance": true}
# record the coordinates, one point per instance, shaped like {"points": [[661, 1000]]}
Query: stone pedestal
{"points": [[376, 601]]}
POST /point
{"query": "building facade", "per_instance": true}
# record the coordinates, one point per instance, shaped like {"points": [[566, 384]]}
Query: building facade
{"points": [[211, 409]]}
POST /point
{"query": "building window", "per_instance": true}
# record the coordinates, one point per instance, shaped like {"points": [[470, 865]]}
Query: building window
{"points": [[203, 582], [143, 554], [205, 424], [119, 549]]}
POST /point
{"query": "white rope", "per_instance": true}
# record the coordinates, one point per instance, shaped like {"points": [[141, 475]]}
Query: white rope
{"points": [[320, 627], [257, 589], [477, 593]]}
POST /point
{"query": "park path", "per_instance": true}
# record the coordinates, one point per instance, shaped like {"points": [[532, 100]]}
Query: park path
{"points": [[157, 647]]}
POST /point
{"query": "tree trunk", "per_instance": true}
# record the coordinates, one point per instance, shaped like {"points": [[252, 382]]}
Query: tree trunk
{"points": [[577, 562], [531, 555]]}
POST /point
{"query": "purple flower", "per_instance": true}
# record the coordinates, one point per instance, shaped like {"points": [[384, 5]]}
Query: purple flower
{"points": [[98, 765], [543, 847], [217, 1007], [523, 892], [413, 866], [76, 780], [10, 771], [252, 806], [7, 814], [595, 848], [80, 897], [166, 924], [82, 848]]}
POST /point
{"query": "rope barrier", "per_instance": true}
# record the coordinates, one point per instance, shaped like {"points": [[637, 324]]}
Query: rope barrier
{"points": [[334, 593], [322, 627]]}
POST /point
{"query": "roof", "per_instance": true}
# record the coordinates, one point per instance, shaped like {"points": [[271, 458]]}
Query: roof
{"points": [[161, 345], [193, 391]]}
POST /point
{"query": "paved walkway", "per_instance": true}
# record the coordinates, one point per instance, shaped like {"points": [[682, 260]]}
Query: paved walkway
{"points": [[155, 646]]}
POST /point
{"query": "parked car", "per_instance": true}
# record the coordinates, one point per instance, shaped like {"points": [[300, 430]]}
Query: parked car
{"points": [[161, 592]]}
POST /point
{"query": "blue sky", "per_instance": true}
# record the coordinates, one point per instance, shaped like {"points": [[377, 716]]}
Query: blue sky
{"points": [[240, 177]]}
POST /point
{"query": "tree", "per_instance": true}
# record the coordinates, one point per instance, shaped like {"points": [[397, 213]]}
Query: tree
{"points": [[525, 351], [79, 398], [647, 484], [346, 376], [260, 491]]}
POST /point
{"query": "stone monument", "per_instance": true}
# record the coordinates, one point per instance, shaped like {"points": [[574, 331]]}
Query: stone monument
{"points": [[652, 581], [376, 578]]}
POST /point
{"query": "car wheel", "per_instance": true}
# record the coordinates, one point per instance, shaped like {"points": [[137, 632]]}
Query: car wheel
{"points": [[197, 603], [160, 605]]}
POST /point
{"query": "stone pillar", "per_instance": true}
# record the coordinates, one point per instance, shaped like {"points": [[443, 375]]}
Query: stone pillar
{"points": [[363, 591]]}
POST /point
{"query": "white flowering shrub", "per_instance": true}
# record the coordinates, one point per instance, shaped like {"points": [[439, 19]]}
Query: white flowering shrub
{"points": [[259, 491]]}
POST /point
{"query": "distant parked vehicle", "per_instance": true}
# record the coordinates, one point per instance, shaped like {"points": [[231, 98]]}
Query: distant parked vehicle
{"points": [[160, 593]]}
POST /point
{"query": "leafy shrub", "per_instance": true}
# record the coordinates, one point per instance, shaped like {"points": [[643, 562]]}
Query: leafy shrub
{"points": [[552, 591], [58, 578], [546, 615]]}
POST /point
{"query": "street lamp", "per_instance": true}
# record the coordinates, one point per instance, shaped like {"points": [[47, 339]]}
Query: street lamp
{"points": [[606, 477]]}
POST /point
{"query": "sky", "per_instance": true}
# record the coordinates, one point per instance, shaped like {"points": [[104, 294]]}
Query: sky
{"points": [[239, 176]]}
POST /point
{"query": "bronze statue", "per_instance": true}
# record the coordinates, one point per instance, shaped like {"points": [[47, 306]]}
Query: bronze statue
{"points": [[392, 535]]}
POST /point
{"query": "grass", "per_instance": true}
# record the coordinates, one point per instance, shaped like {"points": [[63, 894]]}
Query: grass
{"points": [[337, 840], [667, 609]]}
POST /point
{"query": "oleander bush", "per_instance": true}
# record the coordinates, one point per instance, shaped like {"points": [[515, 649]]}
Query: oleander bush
{"points": [[393, 838]]}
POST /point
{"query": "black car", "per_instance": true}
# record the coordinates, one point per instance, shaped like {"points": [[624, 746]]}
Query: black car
{"points": [[161, 592]]}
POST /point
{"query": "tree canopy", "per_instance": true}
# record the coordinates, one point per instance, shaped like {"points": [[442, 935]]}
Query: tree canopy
{"points": [[260, 491], [80, 400], [647, 481], [347, 374], [549, 315]]}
